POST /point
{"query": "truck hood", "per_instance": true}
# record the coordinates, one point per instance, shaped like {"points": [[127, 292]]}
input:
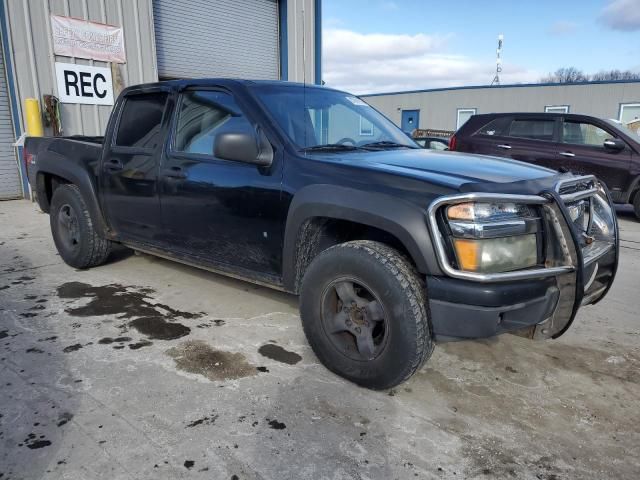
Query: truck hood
{"points": [[448, 169]]}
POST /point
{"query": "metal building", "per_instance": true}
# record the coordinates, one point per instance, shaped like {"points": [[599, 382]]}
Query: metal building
{"points": [[163, 39], [448, 108]]}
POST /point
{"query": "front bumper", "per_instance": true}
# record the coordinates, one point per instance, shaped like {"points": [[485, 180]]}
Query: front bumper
{"points": [[540, 302], [463, 310]]}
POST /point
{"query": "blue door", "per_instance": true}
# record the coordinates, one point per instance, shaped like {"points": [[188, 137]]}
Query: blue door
{"points": [[410, 120]]}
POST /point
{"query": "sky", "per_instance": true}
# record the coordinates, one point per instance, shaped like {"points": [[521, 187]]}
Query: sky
{"points": [[393, 45]]}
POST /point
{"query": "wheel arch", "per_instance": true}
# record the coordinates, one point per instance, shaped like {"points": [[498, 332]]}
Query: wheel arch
{"points": [[52, 173], [318, 215]]}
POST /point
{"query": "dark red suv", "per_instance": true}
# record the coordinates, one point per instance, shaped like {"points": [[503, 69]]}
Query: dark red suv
{"points": [[561, 141]]}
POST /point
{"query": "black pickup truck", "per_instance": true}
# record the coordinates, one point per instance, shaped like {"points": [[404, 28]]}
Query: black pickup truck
{"points": [[390, 247]]}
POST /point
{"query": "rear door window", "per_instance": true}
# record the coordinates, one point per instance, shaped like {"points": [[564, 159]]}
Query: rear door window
{"points": [[582, 133], [140, 120], [533, 129]]}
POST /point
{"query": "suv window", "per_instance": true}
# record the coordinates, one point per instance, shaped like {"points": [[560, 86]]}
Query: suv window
{"points": [[580, 133], [203, 115], [535, 129], [139, 124], [496, 127]]}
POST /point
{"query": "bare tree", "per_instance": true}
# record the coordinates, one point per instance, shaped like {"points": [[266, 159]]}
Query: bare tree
{"points": [[565, 75], [615, 75], [573, 75]]}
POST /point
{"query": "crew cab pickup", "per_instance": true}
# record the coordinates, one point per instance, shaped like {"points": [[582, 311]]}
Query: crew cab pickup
{"points": [[390, 247]]}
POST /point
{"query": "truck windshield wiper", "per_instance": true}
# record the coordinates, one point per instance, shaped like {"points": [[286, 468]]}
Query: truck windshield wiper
{"points": [[386, 144], [331, 147]]}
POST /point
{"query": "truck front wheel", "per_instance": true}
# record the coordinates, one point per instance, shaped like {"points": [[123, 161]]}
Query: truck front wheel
{"points": [[364, 312], [75, 237]]}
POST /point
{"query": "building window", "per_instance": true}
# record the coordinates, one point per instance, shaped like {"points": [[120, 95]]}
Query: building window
{"points": [[464, 114], [629, 112], [366, 127], [556, 109]]}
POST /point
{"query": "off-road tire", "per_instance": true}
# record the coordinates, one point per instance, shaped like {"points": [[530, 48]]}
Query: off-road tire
{"points": [[398, 287], [89, 249], [636, 205]]}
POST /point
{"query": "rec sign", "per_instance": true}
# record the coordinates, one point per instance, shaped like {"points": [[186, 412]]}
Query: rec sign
{"points": [[84, 84]]}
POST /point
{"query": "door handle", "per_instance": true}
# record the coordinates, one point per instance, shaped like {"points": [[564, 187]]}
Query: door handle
{"points": [[114, 165], [567, 154], [174, 172], [504, 146]]}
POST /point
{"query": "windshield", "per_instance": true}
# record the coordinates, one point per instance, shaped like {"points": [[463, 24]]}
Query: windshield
{"points": [[316, 118]]}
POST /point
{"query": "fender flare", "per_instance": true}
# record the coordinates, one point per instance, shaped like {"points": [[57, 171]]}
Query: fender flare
{"points": [[77, 173], [403, 220]]}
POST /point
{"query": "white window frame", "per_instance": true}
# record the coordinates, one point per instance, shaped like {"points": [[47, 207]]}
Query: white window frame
{"points": [[622, 105], [473, 111], [556, 109], [368, 133]]}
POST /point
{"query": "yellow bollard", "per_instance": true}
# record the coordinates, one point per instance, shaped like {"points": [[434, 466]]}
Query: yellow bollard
{"points": [[34, 118]]}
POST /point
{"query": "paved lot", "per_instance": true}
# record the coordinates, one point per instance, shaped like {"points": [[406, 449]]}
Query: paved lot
{"points": [[144, 368]]}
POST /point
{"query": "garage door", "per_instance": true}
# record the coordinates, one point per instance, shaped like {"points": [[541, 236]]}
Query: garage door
{"points": [[220, 38], [9, 176]]}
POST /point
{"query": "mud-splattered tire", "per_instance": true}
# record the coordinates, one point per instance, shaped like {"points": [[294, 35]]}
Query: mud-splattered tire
{"points": [[636, 205], [359, 287], [73, 232]]}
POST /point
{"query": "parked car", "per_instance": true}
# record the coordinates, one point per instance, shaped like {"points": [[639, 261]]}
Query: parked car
{"points": [[566, 142], [390, 247], [433, 143]]}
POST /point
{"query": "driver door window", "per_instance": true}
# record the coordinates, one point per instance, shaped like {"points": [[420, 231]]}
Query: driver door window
{"points": [[580, 133], [203, 115]]}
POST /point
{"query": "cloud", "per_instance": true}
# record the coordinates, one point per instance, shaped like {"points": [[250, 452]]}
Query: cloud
{"points": [[562, 28], [621, 15], [368, 63]]}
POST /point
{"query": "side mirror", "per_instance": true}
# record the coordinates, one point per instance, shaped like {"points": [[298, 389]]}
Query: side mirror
{"points": [[614, 144], [244, 146]]}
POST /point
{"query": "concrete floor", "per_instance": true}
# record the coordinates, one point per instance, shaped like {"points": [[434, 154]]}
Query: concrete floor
{"points": [[144, 368]]}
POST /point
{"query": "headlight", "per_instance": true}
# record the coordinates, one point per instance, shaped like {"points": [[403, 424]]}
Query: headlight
{"points": [[493, 237]]}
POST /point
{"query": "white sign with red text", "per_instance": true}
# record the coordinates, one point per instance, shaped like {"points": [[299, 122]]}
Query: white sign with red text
{"points": [[73, 37]]}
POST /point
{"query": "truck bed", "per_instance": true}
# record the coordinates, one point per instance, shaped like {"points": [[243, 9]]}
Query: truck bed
{"points": [[53, 155]]}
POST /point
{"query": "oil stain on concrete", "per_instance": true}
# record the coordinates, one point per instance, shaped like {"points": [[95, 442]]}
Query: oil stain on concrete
{"points": [[279, 354], [151, 319], [198, 357]]}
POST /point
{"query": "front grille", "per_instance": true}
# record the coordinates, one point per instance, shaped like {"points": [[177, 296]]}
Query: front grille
{"points": [[591, 215]]}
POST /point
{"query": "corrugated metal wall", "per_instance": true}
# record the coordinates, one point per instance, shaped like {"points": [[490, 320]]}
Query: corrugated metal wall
{"points": [[9, 176], [226, 38], [438, 109], [301, 39], [33, 59]]}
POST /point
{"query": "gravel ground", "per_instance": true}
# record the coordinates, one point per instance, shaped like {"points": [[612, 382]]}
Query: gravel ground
{"points": [[144, 368]]}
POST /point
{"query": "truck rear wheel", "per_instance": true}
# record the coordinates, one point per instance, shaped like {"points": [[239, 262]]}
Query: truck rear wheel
{"points": [[364, 312], [73, 232]]}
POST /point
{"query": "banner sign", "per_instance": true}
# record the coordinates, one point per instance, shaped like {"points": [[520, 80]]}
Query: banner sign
{"points": [[84, 84], [73, 37]]}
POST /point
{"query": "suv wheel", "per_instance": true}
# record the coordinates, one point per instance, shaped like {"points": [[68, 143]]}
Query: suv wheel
{"points": [[636, 204], [73, 233], [364, 312]]}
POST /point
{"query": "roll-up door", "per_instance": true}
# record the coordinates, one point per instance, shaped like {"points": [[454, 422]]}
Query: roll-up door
{"points": [[9, 176], [219, 38]]}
